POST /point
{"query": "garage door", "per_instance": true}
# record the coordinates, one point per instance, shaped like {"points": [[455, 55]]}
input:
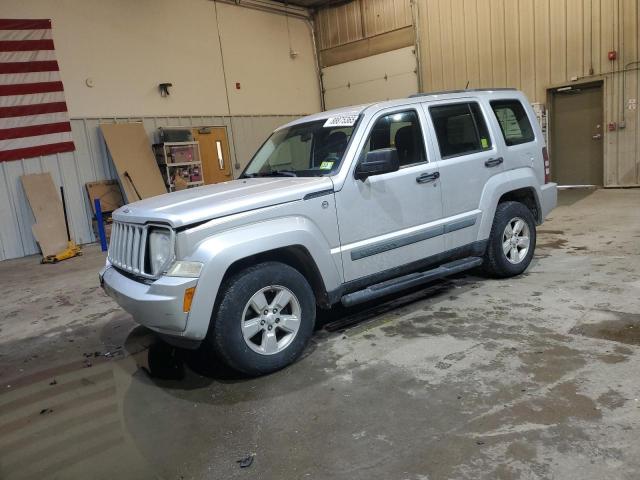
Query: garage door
{"points": [[378, 77]]}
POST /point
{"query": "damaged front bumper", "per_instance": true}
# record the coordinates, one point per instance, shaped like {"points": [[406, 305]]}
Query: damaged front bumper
{"points": [[157, 305]]}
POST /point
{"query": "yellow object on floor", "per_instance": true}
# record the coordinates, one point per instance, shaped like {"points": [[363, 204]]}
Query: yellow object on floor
{"points": [[71, 251]]}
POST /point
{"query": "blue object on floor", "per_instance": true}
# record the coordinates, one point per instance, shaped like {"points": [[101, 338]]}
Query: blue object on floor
{"points": [[100, 220]]}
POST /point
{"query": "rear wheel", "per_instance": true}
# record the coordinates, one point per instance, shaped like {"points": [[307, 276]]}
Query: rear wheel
{"points": [[264, 319], [512, 240]]}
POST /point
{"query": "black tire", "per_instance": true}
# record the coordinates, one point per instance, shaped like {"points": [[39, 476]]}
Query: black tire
{"points": [[226, 335], [496, 262]]}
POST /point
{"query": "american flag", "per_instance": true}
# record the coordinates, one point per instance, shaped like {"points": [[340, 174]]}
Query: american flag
{"points": [[33, 111]]}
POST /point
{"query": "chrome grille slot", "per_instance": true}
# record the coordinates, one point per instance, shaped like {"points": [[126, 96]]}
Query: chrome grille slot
{"points": [[127, 247]]}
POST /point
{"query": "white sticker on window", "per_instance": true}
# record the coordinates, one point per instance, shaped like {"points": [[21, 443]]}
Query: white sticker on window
{"points": [[347, 119]]}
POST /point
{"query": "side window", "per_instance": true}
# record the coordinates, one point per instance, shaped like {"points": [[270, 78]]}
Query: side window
{"points": [[400, 130], [513, 120], [460, 129]]}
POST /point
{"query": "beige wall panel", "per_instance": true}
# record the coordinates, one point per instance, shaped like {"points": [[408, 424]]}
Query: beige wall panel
{"points": [[542, 49], [271, 81], [483, 14], [498, 47], [386, 42], [128, 48], [534, 45], [458, 35], [381, 16], [512, 42], [627, 148], [637, 75], [338, 25], [527, 38], [446, 45], [472, 52], [558, 40], [431, 20], [574, 38]]}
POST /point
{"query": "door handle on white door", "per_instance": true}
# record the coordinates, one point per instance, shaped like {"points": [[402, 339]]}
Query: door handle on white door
{"points": [[427, 177], [493, 162]]}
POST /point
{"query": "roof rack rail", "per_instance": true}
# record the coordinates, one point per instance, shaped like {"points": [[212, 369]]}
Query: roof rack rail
{"points": [[462, 91]]}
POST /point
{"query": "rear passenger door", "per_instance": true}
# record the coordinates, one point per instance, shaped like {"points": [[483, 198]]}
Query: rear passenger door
{"points": [[468, 158]]}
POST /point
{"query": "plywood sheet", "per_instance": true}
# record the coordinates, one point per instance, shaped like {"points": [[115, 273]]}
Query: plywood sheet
{"points": [[133, 158], [50, 230], [108, 191]]}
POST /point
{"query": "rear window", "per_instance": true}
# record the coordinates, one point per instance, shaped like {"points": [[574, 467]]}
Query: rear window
{"points": [[514, 123], [460, 129]]}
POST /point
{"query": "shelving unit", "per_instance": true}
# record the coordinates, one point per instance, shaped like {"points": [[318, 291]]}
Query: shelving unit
{"points": [[179, 160]]}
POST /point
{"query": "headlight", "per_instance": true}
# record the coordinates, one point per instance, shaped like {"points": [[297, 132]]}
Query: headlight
{"points": [[160, 250]]}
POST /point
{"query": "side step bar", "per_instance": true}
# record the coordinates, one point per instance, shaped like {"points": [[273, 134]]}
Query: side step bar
{"points": [[413, 279]]}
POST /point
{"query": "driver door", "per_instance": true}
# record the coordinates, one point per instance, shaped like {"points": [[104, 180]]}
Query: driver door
{"points": [[393, 219]]}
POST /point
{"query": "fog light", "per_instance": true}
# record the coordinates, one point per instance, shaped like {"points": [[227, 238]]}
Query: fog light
{"points": [[188, 298]]}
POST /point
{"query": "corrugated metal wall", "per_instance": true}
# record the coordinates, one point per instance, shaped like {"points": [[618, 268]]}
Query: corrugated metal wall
{"points": [[89, 163], [346, 23], [536, 44]]}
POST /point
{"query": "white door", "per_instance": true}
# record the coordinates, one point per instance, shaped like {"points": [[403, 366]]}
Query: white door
{"points": [[387, 220], [378, 77], [469, 157]]}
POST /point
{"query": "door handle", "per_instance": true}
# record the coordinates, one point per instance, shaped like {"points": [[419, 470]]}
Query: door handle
{"points": [[493, 162], [597, 136], [427, 177]]}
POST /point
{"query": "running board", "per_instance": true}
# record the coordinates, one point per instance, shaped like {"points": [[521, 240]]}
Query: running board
{"points": [[413, 279]]}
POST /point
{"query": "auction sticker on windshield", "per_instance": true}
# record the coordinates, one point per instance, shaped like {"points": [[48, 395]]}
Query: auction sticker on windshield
{"points": [[347, 119], [326, 165]]}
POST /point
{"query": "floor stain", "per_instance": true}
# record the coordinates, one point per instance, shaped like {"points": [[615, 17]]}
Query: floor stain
{"points": [[625, 329]]}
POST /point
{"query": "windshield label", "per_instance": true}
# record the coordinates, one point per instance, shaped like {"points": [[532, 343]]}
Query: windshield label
{"points": [[326, 165], [347, 119]]}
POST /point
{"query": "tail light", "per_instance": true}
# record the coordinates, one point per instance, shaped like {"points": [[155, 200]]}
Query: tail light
{"points": [[547, 170]]}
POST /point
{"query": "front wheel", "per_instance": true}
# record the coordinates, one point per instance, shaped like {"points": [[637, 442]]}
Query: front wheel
{"points": [[264, 319], [512, 240]]}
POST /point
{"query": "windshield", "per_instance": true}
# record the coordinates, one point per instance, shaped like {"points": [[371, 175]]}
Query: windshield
{"points": [[303, 150]]}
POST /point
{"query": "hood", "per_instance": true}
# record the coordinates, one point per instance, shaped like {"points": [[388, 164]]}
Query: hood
{"points": [[199, 204]]}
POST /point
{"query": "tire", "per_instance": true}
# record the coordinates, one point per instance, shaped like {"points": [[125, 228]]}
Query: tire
{"points": [[274, 345], [500, 259]]}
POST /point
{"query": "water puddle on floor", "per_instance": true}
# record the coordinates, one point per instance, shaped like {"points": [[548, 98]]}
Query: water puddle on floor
{"points": [[624, 328]]}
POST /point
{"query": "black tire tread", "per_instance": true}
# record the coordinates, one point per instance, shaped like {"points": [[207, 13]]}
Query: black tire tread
{"points": [[494, 262], [235, 288]]}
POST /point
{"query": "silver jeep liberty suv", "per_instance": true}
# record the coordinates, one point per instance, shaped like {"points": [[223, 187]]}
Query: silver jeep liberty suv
{"points": [[343, 206]]}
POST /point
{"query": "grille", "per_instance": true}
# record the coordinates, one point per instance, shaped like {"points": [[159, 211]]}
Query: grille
{"points": [[127, 247]]}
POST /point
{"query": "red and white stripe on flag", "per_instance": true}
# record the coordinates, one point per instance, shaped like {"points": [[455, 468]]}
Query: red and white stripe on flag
{"points": [[33, 111]]}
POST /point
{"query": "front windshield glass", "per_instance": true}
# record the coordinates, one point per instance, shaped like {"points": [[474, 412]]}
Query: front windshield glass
{"points": [[303, 150]]}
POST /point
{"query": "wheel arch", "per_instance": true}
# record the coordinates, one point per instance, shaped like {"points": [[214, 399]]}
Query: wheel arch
{"points": [[513, 185], [295, 240], [296, 256], [526, 196]]}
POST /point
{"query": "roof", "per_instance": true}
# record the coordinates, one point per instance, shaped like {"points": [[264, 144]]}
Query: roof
{"points": [[415, 98]]}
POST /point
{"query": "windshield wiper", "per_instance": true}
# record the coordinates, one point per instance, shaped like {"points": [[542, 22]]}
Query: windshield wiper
{"points": [[281, 173]]}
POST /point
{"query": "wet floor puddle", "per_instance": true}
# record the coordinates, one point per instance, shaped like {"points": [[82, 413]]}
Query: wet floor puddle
{"points": [[624, 329]]}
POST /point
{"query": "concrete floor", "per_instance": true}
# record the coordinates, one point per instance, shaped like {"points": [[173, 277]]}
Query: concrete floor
{"points": [[531, 377]]}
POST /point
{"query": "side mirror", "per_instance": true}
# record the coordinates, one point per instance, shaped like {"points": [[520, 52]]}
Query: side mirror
{"points": [[377, 162]]}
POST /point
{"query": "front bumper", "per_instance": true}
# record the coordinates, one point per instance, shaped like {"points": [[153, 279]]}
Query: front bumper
{"points": [[157, 305], [549, 198]]}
